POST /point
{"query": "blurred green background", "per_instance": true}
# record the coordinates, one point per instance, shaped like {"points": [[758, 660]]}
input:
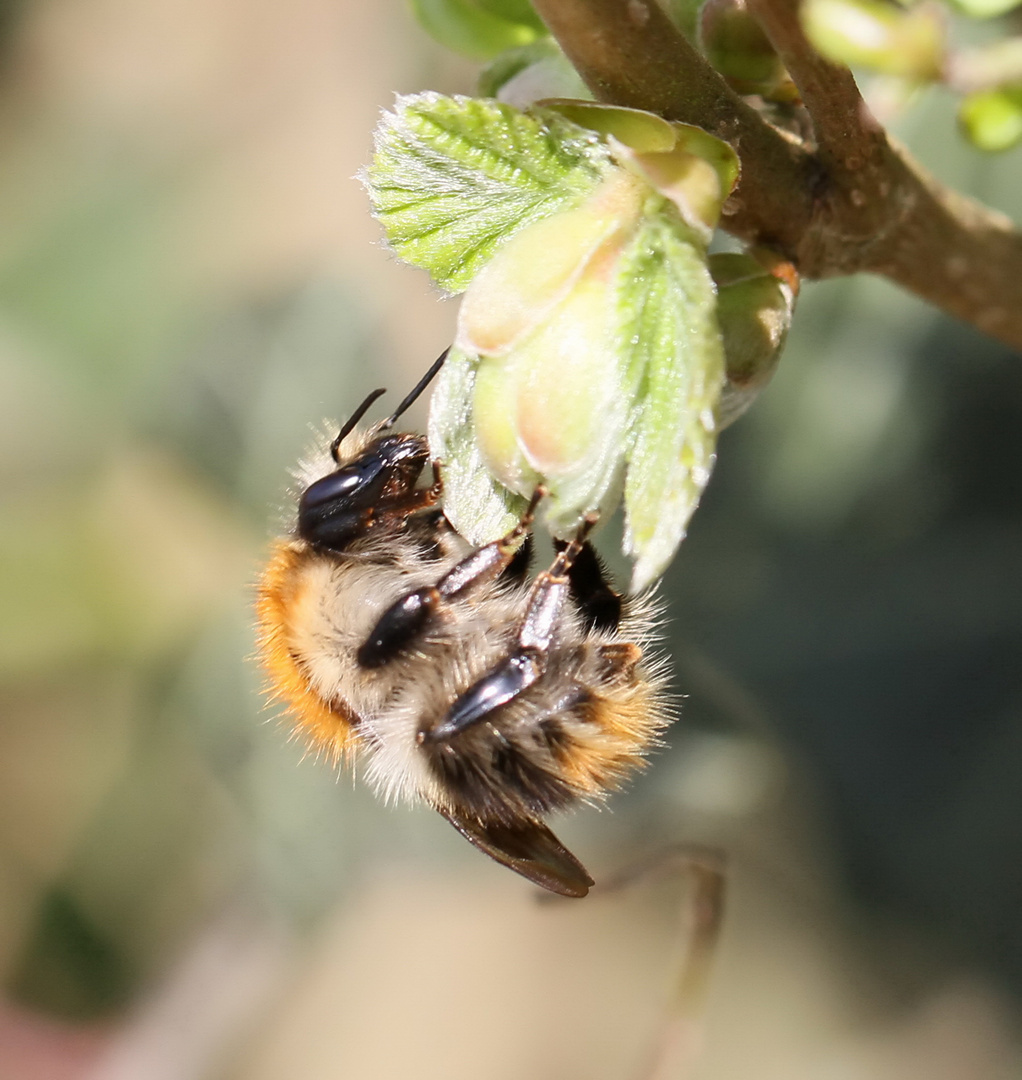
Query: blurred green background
{"points": [[189, 278]]}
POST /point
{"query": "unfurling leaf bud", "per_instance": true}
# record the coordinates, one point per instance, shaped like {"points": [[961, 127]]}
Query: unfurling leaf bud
{"points": [[879, 35], [693, 169], [587, 356], [756, 293], [540, 316]]}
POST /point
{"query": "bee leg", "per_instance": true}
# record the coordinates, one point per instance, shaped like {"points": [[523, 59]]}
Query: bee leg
{"points": [[436, 489], [598, 603], [407, 617], [517, 570], [547, 598], [491, 560]]}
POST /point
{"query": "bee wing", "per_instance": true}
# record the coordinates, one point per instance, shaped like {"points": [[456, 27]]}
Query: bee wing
{"points": [[530, 849]]}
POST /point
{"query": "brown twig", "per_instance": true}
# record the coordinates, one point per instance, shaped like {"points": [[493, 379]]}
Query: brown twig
{"points": [[854, 202], [629, 53]]}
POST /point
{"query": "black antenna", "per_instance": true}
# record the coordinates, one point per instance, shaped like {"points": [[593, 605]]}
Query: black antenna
{"points": [[426, 379], [349, 424]]}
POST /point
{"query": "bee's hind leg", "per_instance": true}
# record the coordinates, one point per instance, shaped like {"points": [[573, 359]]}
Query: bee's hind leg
{"points": [[599, 604], [528, 660]]}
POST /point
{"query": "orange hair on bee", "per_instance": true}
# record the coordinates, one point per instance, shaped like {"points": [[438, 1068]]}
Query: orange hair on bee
{"points": [[329, 729], [624, 720]]}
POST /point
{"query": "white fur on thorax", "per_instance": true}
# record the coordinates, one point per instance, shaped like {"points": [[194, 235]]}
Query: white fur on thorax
{"points": [[339, 599]]}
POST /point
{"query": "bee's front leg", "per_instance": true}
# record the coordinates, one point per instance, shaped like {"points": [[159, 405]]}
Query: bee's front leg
{"points": [[399, 626]]}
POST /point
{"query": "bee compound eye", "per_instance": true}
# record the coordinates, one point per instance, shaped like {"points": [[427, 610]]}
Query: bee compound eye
{"points": [[338, 486], [333, 510]]}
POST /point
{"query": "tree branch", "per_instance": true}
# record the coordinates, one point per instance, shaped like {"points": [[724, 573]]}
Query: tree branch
{"points": [[853, 203], [629, 53]]}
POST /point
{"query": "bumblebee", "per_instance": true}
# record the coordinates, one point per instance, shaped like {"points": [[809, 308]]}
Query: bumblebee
{"points": [[457, 680]]}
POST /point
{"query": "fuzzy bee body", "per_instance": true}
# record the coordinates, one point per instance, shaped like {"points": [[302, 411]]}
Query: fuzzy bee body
{"points": [[457, 681]]}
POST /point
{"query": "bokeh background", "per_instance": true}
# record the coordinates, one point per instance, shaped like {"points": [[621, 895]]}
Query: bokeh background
{"points": [[189, 277]]}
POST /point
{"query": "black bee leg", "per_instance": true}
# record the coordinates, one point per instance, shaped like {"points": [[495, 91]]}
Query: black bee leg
{"points": [[491, 560], [549, 592], [526, 846], [597, 602], [406, 618], [437, 487], [547, 598]]}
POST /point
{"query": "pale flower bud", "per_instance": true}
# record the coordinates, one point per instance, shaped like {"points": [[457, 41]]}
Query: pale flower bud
{"points": [[541, 318]]}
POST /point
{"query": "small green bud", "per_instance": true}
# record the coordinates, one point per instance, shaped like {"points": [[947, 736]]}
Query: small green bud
{"points": [[756, 293], [992, 119], [735, 44], [476, 29], [685, 16], [879, 35]]}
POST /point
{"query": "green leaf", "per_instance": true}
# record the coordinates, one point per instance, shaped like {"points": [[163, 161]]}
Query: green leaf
{"points": [[636, 128], [479, 30], [453, 177], [667, 299], [478, 507]]}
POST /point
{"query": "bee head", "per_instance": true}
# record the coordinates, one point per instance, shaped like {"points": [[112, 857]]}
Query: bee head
{"points": [[377, 483]]}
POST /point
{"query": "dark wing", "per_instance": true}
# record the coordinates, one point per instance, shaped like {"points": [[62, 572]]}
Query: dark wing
{"points": [[530, 849]]}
